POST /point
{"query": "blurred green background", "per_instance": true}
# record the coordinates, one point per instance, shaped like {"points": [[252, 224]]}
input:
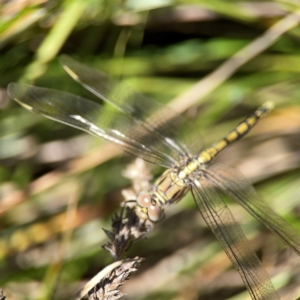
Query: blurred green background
{"points": [[60, 187]]}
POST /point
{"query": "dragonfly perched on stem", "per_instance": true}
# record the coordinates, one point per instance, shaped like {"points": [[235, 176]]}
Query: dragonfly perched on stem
{"points": [[148, 130]]}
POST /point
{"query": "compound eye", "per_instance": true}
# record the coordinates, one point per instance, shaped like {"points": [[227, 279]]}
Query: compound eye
{"points": [[155, 213], [144, 199]]}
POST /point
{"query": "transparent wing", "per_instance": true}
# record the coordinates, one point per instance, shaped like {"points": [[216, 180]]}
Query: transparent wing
{"points": [[154, 116], [230, 235], [92, 117], [233, 183]]}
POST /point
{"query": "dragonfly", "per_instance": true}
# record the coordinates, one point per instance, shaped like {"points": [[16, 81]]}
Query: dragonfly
{"points": [[146, 129]]}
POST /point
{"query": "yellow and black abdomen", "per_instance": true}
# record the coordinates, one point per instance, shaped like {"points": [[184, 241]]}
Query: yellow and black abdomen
{"points": [[237, 133]]}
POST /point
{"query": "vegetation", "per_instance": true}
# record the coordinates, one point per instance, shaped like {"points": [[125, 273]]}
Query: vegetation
{"points": [[215, 61]]}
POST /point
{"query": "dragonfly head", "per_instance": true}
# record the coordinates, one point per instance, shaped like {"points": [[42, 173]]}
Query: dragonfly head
{"points": [[147, 209]]}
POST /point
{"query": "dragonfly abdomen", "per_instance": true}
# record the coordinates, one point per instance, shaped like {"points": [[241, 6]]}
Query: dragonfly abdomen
{"points": [[236, 134]]}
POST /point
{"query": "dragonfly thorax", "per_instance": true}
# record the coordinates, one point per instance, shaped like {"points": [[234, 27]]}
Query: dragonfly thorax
{"points": [[167, 189]]}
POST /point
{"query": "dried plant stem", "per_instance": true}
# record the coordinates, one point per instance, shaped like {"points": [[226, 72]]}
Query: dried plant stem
{"points": [[127, 228], [96, 279], [2, 297]]}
